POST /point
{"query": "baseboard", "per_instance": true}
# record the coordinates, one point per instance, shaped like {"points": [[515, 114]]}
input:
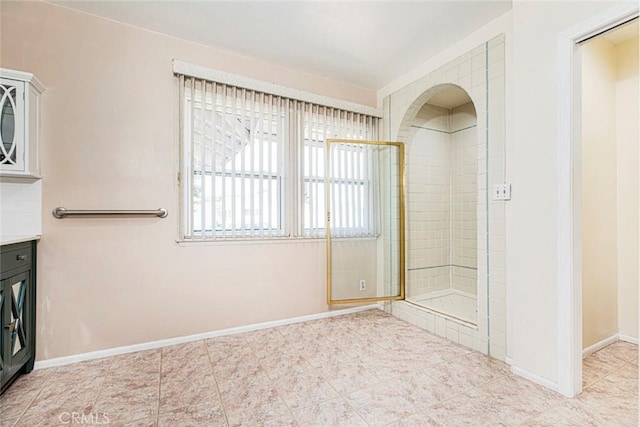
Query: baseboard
{"points": [[629, 338], [66, 360], [535, 378], [600, 345]]}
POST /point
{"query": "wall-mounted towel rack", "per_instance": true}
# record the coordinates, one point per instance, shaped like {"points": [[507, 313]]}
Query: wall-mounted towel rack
{"points": [[61, 212]]}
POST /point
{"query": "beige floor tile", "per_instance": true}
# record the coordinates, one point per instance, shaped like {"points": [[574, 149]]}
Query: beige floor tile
{"points": [[303, 387], [568, 414], [139, 362], [511, 399], [366, 367], [347, 376], [143, 422], [185, 358], [178, 391], [22, 392], [193, 415], [614, 398], [335, 412], [233, 380], [463, 410], [380, 405], [621, 350], [256, 406], [421, 390], [131, 390], [601, 363], [418, 420], [55, 405]]}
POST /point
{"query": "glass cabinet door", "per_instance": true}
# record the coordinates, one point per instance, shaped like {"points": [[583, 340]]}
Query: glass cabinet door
{"points": [[11, 125], [2, 331]]}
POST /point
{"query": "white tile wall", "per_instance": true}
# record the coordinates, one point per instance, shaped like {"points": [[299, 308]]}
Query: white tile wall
{"points": [[21, 208], [469, 71]]}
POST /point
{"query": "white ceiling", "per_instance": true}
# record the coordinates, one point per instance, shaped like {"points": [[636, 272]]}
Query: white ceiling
{"points": [[365, 43]]}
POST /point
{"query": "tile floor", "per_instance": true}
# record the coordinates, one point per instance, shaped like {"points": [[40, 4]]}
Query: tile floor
{"points": [[367, 368]]}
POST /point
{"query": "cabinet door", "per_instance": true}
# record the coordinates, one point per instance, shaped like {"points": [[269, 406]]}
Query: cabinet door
{"points": [[12, 143], [4, 333], [17, 346]]}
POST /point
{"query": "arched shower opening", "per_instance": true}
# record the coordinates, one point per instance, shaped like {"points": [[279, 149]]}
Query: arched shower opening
{"points": [[442, 183]]}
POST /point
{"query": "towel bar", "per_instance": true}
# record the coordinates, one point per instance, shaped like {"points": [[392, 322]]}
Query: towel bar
{"points": [[61, 212]]}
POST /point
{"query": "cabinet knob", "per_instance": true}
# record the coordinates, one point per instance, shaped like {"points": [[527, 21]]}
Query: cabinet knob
{"points": [[22, 257], [11, 325]]}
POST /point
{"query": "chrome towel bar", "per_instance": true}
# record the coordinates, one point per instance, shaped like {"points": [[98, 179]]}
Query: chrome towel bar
{"points": [[61, 212]]}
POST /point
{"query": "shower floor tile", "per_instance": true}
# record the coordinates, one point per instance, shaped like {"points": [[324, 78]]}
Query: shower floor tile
{"points": [[367, 368], [460, 305]]}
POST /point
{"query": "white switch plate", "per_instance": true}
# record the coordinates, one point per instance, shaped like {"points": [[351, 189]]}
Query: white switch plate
{"points": [[502, 192]]}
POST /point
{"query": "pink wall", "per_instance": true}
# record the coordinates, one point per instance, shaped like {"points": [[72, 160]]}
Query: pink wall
{"points": [[109, 140]]}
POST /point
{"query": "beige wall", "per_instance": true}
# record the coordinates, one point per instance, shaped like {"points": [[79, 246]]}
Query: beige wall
{"points": [[109, 140], [352, 261], [610, 188], [532, 148], [599, 196], [627, 137]]}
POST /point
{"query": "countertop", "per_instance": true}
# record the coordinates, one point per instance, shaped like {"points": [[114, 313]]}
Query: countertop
{"points": [[10, 239]]}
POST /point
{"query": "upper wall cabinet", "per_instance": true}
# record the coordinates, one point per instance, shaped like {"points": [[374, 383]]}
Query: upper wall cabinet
{"points": [[19, 124]]}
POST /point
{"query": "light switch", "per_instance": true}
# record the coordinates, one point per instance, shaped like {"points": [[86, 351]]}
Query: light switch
{"points": [[502, 192]]}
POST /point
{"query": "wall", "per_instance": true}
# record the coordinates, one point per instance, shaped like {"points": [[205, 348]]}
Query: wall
{"points": [[20, 208], [109, 140], [464, 182], [599, 198], [428, 202], [532, 219], [352, 261], [627, 137], [442, 193]]}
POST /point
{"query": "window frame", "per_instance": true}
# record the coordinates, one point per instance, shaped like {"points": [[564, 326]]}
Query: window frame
{"points": [[291, 178]]}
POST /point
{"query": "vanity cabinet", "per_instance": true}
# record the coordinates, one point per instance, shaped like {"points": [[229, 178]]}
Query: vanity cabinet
{"points": [[17, 310], [20, 94]]}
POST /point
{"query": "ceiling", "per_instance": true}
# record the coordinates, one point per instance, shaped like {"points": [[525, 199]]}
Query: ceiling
{"points": [[364, 43]]}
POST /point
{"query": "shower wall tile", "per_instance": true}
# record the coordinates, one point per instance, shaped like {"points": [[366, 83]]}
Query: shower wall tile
{"points": [[468, 71], [441, 326], [498, 352]]}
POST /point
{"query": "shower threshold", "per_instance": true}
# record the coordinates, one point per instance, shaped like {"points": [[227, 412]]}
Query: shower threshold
{"points": [[450, 302]]}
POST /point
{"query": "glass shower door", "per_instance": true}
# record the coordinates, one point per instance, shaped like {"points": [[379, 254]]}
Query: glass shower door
{"points": [[364, 189]]}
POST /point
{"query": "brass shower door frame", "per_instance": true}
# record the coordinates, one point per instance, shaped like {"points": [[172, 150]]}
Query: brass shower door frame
{"points": [[401, 213]]}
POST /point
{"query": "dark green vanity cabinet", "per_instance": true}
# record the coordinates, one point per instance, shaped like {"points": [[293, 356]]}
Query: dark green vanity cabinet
{"points": [[17, 310]]}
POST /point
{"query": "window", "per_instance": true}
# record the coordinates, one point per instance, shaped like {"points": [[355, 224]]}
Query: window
{"points": [[253, 165]]}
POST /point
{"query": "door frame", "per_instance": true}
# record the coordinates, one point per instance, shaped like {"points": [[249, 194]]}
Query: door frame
{"points": [[569, 219]]}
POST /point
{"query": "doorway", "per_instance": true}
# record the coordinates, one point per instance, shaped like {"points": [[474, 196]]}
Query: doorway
{"points": [[608, 168]]}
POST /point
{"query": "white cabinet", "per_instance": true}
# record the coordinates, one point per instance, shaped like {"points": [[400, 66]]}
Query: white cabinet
{"points": [[19, 124]]}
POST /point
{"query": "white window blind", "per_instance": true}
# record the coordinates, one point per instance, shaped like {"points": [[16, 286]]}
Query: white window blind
{"points": [[253, 165], [350, 172]]}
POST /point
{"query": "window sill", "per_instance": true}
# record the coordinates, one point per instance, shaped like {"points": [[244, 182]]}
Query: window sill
{"points": [[268, 241]]}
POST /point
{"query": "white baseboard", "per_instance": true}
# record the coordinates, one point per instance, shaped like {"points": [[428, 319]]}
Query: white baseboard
{"points": [[66, 360], [535, 378], [629, 338], [508, 360], [600, 345]]}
